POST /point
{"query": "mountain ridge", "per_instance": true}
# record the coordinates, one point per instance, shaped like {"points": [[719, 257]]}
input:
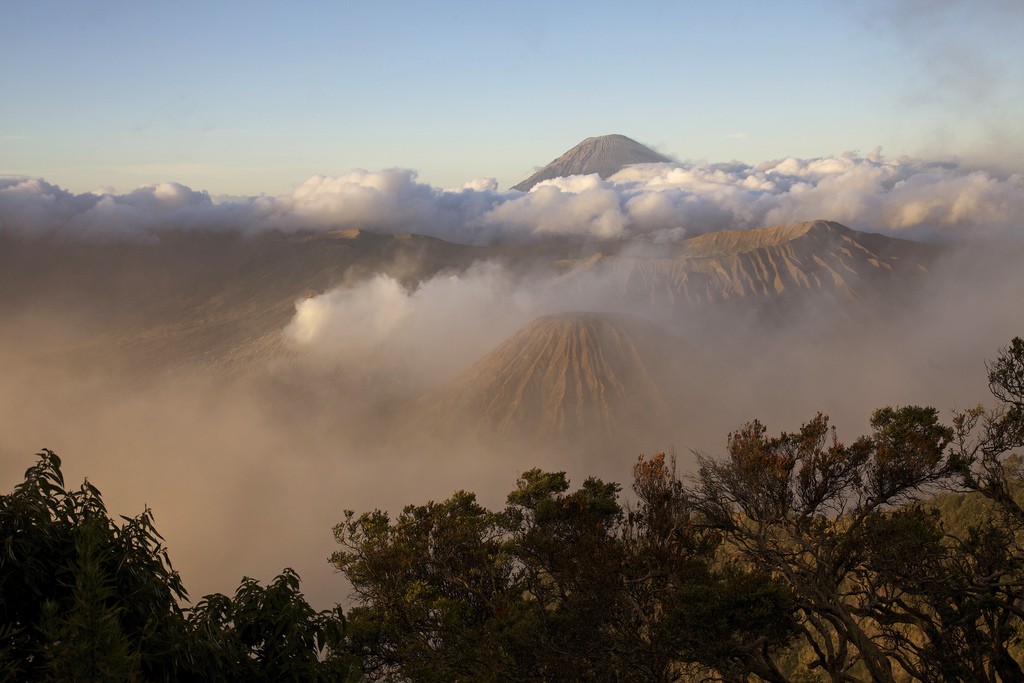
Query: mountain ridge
{"points": [[771, 269], [192, 295]]}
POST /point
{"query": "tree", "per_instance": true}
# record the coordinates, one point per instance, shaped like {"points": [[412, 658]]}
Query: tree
{"points": [[86, 642], [797, 506], [84, 597], [987, 439], [559, 586], [454, 592], [883, 584], [436, 591], [568, 570], [950, 595], [942, 600], [269, 633], [989, 561], [686, 603]]}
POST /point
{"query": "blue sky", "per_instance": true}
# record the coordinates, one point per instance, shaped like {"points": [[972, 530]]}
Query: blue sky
{"points": [[255, 97]]}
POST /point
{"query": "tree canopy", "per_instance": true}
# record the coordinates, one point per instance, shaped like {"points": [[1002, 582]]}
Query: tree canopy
{"points": [[89, 598]]}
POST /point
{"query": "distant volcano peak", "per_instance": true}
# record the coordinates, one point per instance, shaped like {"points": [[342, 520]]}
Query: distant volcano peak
{"points": [[603, 155]]}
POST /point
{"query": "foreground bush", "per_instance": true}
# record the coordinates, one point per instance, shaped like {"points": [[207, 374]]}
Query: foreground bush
{"points": [[88, 598]]}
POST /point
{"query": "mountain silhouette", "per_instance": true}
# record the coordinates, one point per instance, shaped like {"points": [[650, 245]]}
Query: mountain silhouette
{"points": [[604, 155]]}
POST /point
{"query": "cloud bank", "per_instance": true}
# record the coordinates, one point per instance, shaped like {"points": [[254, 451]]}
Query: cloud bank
{"points": [[920, 199]]}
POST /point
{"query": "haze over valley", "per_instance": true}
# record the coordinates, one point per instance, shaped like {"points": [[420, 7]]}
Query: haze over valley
{"points": [[252, 367]]}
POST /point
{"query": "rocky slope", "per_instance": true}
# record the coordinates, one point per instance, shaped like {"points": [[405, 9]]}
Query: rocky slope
{"points": [[565, 375], [819, 263]]}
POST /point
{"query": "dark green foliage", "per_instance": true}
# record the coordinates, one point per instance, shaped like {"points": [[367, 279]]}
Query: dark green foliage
{"points": [[86, 598], [1006, 375], [560, 586], [908, 451], [434, 590], [269, 634], [986, 440], [568, 572], [684, 604], [86, 643], [883, 585]]}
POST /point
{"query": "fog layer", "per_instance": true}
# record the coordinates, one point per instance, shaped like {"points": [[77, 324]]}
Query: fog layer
{"points": [[250, 405]]}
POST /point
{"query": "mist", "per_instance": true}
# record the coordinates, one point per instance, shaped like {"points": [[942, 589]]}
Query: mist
{"points": [[250, 453], [412, 338], [247, 475]]}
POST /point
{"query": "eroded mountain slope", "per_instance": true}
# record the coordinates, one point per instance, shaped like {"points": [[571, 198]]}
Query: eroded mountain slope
{"points": [[821, 263], [564, 375]]}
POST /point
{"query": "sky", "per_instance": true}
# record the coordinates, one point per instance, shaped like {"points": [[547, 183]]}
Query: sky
{"points": [[251, 98]]}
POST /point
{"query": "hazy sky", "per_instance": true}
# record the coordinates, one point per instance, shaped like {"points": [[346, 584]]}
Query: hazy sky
{"points": [[255, 97]]}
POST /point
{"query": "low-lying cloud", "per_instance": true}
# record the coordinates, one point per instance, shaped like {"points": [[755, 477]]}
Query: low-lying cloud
{"points": [[920, 199], [412, 338]]}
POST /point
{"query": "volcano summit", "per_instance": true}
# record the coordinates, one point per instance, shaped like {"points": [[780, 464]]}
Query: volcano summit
{"points": [[604, 155]]}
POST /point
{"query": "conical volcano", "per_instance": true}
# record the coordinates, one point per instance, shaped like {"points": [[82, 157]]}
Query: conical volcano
{"points": [[604, 155], [563, 375]]}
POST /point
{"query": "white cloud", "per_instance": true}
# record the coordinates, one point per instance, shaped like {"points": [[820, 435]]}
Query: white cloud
{"points": [[369, 316], [912, 197], [482, 184], [415, 336], [578, 205]]}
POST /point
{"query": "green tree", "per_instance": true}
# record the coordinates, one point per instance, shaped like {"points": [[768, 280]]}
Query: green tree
{"points": [[86, 642], [987, 440], [84, 597], [452, 591], [436, 591], [945, 603], [561, 585], [686, 602], [569, 572], [972, 607], [885, 586], [797, 507], [269, 633]]}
